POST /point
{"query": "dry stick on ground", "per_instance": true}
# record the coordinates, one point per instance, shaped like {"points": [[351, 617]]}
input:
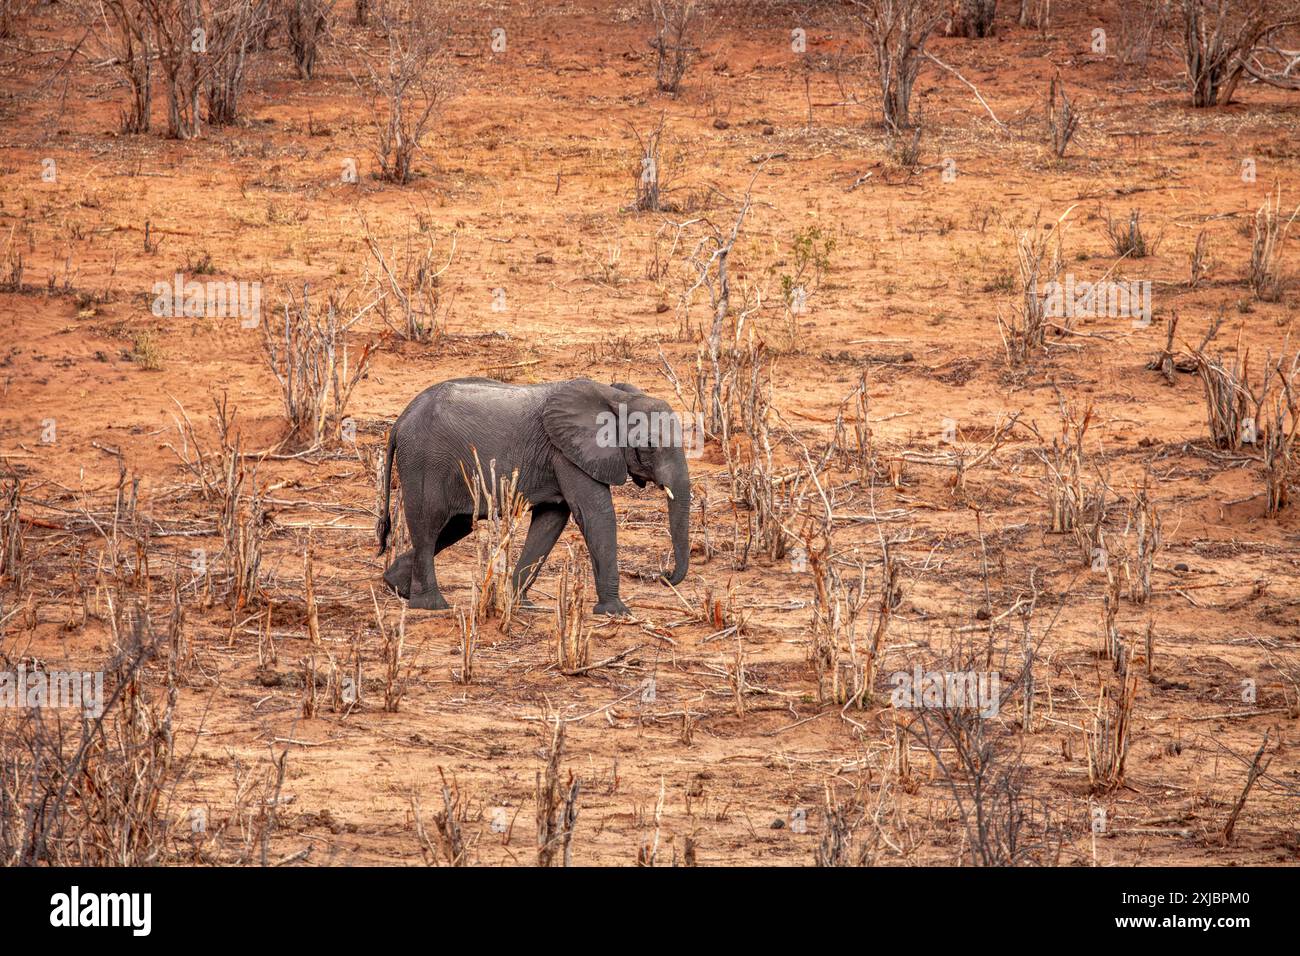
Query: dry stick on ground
{"points": [[468, 622], [11, 536], [1001, 125], [1256, 769], [1163, 362], [309, 588], [557, 807], [1201, 263], [392, 640]]}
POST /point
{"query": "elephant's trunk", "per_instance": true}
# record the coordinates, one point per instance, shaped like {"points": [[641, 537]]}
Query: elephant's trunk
{"points": [[677, 485]]}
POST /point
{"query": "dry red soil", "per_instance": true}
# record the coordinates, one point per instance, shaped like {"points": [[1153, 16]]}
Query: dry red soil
{"points": [[525, 185]]}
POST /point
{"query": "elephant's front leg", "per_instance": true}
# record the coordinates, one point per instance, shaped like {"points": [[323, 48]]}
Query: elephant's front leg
{"points": [[543, 531], [593, 510]]}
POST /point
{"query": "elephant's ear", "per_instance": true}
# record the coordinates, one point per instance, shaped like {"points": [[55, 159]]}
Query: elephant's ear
{"points": [[625, 387], [581, 419]]}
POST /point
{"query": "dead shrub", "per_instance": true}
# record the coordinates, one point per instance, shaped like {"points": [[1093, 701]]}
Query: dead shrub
{"points": [[310, 359], [1040, 258], [1231, 409], [234, 34], [409, 284], [1280, 428], [405, 82], [557, 803], [11, 535], [449, 842], [497, 498], [1128, 240], [677, 26], [572, 632], [1269, 232], [1108, 739], [897, 31], [1062, 119], [120, 32], [972, 19], [306, 24], [1074, 507], [95, 791], [1219, 39]]}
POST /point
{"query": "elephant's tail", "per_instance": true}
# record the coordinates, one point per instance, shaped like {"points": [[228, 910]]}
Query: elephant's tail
{"points": [[385, 525]]}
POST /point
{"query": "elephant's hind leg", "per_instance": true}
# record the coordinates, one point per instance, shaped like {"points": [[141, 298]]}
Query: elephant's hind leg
{"points": [[425, 594]]}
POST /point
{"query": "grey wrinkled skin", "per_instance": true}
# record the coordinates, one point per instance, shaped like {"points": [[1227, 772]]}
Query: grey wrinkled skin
{"points": [[547, 432]]}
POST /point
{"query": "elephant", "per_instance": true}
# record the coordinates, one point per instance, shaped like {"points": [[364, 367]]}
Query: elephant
{"points": [[569, 442]]}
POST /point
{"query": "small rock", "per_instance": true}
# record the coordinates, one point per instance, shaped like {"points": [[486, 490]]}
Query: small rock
{"points": [[778, 824], [661, 307], [720, 123], [769, 131], [1180, 566], [544, 258]]}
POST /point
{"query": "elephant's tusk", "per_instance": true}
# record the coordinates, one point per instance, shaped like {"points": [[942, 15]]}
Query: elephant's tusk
{"points": [[669, 492]]}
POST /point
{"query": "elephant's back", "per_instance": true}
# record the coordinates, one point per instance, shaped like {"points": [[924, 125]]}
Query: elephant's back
{"points": [[476, 396]]}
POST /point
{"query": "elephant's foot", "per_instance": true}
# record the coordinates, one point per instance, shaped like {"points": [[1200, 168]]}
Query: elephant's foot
{"points": [[429, 601], [613, 607], [398, 578], [526, 605]]}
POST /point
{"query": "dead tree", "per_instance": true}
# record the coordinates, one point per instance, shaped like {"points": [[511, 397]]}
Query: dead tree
{"points": [[973, 19], [180, 40], [897, 30], [234, 32], [1062, 120], [1220, 38], [119, 33], [406, 82], [677, 24], [306, 22]]}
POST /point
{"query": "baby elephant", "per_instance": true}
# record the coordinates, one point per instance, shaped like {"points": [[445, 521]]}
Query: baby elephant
{"points": [[568, 441]]}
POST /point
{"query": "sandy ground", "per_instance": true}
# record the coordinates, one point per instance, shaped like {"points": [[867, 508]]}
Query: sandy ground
{"points": [[531, 171]]}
